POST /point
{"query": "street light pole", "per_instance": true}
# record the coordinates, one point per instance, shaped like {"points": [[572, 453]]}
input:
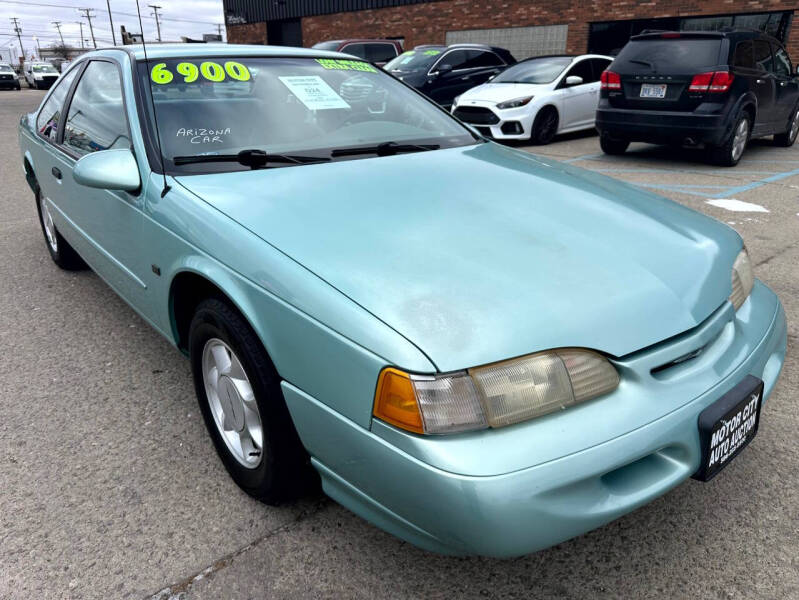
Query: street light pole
{"points": [[110, 20]]}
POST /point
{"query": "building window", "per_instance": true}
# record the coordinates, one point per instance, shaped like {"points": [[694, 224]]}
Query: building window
{"points": [[609, 37]]}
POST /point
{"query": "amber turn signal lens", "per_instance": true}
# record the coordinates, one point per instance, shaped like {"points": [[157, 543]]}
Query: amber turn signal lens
{"points": [[395, 401]]}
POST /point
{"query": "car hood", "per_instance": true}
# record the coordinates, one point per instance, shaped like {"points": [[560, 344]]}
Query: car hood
{"points": [[500, 92], [482, 253]]}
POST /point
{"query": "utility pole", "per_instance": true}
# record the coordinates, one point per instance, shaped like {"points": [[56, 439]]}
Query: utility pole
{"points": [[81, 34], [18, 31], [155, 8], [110, 20], [88, 15], [58, 26]]}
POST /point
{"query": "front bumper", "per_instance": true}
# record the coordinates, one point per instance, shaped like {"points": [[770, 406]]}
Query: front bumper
{"points": [[436, 493], [509, 124]]}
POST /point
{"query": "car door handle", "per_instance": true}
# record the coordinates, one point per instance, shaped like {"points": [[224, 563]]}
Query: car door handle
{"points": [[760, 81], [56, 172], [466, 77], [783, 83]]}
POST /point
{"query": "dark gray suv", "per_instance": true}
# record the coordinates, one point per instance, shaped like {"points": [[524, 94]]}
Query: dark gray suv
{"points": [[719, 89]]}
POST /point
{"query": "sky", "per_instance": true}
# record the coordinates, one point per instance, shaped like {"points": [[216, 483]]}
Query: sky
{"points": [[191, 18]]}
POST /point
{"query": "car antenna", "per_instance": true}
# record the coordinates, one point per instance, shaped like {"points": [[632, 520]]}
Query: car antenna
{"points": [[152, 102]]}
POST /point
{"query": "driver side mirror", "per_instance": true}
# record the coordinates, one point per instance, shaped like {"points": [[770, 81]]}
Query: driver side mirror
{"points": [[108, 170], [574, 80], [444, 69]]}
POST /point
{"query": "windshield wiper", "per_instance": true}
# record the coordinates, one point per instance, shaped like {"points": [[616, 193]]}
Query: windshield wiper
{"points": [[255, 159], [384, 149]]}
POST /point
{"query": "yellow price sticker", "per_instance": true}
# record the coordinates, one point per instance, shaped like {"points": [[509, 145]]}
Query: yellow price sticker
{"points": [[346, 65], [209, 70]]}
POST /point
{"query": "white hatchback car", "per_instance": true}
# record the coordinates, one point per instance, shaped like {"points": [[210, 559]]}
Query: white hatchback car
{"points": [[536, 98]]}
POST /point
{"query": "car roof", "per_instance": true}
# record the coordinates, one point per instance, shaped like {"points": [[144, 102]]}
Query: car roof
{"points": [[724, 32], [165, 51]]}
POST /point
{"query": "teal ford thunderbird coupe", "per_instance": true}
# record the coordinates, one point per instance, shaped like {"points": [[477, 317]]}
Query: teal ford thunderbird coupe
{"points": [[478, 350]]}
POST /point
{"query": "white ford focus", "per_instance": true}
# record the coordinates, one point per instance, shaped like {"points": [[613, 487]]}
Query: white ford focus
{"points": [[536, 98]]}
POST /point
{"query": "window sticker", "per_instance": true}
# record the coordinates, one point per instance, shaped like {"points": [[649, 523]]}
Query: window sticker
{"points": [[346, 65], [201, 135], [313, 92], [188, 72], [432, 52]]}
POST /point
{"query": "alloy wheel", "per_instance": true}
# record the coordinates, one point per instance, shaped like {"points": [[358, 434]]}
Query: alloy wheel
{"points": [[47, 222], [740, 139], [232, 402]]}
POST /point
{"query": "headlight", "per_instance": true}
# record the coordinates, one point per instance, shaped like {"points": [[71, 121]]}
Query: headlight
{"points": [[743, 279], [495, 395], [515, 103]]}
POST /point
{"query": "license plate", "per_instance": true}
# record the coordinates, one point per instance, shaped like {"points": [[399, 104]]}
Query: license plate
{"points": [[728, 425], [653, 90]]}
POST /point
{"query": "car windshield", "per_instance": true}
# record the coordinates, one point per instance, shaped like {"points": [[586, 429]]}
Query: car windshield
{"points": [[43, 69], [332, 45], [314, 108], [414, 60], [6, 69], [537, 70]]}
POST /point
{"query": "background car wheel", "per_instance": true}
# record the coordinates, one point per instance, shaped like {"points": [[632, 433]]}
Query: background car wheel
{"points": [[239, 393], [545, 126], [787, 138], [61, 252], [612, 145], [731, 151]]}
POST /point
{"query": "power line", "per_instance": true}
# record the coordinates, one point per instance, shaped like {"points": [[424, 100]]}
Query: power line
{"points": [[125, 14]]}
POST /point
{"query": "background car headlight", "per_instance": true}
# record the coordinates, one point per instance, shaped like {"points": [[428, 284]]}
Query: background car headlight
{"points": [[515, 103], [494, 395], [743, 279]]}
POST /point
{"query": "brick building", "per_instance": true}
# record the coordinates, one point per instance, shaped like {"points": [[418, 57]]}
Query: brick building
{"points": [[527, 28]]}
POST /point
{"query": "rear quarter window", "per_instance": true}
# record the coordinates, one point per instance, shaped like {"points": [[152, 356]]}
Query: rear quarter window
{"points": [[678, 55]]}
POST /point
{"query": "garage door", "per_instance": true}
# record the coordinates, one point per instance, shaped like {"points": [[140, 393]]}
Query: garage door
{"points": [[521, 41]]}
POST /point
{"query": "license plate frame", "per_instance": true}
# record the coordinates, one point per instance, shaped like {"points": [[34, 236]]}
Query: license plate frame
{"points": [[653, 91], [728, 426]]}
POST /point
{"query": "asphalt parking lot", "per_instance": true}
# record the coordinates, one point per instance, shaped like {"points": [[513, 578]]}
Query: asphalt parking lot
{"points": [[110, 486]]}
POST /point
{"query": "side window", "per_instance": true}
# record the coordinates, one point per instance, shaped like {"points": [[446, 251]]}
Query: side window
{"points": [[598, 65], [581, 69], [457, 59], [762, 56], [96, 119], [380, 52], [482, 59], [744, 55], [50, 115], [358, 50], [782, 63]]}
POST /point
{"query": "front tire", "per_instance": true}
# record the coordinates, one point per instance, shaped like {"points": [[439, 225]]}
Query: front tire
{"points": [[239, 393], [787, 138], [612, 146], [61, 252], [730, 152], [545, 126]]}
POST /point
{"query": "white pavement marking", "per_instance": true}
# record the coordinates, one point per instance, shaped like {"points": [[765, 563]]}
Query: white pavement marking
{"points": [[736, 205]]}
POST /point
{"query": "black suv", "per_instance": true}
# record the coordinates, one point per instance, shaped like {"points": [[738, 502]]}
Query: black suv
{"points": [[714, 88], [444, 72]]}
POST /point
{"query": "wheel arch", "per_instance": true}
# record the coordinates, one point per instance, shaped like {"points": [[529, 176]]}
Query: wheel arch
{"points": [[30, 173]]}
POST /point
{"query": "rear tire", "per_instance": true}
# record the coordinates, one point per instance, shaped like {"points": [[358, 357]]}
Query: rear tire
{"points": [[545, 126], [730, 152], [255, 438], [787, 138], [611, 145], [60, 251]]}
